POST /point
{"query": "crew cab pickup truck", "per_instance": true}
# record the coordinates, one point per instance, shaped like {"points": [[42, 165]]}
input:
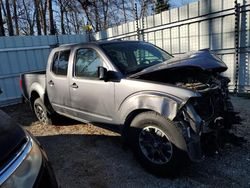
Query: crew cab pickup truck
{"points": [[162, 104]]}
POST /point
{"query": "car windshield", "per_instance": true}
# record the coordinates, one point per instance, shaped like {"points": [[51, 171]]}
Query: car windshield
{"points": [[132, 57]]}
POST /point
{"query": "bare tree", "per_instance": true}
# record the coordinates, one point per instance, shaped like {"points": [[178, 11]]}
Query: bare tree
{"points": [[42, 15], [29, 17], [38, 20], [62, 5], [51, 18], [86, 5], [2, 31], [15, 16], [9, 18], [124, 11]]}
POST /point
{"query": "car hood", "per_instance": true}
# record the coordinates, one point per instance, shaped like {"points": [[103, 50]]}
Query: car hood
{"points": [[12, 136], [202, 59]]}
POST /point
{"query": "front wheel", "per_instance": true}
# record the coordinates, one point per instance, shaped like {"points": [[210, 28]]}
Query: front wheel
{"points": [[41, 112], [150, 138]]}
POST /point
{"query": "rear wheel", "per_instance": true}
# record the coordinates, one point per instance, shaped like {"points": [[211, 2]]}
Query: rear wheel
{"points": [[150, 138], [42, 112]]}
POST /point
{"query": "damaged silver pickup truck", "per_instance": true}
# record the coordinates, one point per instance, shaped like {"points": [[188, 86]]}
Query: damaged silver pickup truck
{"points": [[163, 105]]}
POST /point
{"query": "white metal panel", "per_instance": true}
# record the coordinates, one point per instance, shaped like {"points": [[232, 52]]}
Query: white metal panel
{"points": [[183, 11], [174, 14], [120, 30], [194, 36], [131, 26], [227, 4], [109, 32], [157, 19], [175, 40], [228, 32], [216, 35], [150, 21], [229, 60], [205, 6], [184, 39], [151, 38], [114, 30], [216, 5], [166, 40], [158, 38], [193, 9], [165, 17], [125, 28], [204, 34]]}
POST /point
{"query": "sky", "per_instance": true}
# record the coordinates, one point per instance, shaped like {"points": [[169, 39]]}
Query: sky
{"points": [[178, 3]]}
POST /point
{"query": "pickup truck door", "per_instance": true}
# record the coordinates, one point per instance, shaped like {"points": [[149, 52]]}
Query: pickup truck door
{"points": [[91, 99], [57, 81]]}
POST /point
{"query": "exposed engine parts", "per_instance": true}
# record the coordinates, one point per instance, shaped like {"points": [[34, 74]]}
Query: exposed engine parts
{"points": [[213, 112]]}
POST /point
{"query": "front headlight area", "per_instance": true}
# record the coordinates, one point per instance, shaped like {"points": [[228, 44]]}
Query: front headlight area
{"points": [[191, 125], [27, 167], [191, 117]]}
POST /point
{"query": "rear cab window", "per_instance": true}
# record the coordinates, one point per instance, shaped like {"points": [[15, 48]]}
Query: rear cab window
{"points": [[60, 63]]}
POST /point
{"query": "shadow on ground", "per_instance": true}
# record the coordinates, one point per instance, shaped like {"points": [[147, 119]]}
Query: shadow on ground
{"points": [[83, 155], [100, 161]]}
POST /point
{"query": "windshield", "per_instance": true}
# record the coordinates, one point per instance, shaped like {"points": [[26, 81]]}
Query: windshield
{"points": [[132, 57]]}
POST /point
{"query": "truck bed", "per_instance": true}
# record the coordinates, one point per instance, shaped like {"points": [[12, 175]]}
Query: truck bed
{"points": [[29, 79]]}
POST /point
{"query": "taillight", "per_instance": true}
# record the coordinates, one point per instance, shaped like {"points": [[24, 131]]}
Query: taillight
{"points": [[21, 83]]}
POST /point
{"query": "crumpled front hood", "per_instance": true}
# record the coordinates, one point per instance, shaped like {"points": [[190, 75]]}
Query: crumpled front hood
{"points": [[203, 59], [11, 136]]}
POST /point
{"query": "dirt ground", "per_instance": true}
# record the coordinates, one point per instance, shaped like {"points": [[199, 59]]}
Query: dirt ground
{"points": [[84, 155]]}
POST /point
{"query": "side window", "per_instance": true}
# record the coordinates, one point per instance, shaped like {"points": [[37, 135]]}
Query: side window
{"points": [[60, 63], [87, 63]]}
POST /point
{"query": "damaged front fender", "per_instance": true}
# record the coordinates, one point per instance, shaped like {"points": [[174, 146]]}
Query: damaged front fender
{"points": [[167, 106]]}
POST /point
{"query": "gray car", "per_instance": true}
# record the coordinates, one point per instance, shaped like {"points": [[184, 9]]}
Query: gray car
{"points": [[23, 161], [163, 105]]}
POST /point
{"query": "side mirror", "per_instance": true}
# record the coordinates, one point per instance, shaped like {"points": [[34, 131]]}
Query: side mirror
{"points": [[1, 91], [102, 73]]}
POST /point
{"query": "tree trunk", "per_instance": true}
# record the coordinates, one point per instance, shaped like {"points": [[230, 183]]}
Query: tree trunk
{"points": [[2, 32], [42, 13], [62, 10], [68, 27], [97, 18], [9, 18], [51, 19], [62, 23], [37, 12], [105, 14], [77, 23], [30, 22], [124, 11]]}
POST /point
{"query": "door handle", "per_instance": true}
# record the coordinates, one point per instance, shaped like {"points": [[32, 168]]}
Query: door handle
{"points": [[74, 85], [51, 83]]}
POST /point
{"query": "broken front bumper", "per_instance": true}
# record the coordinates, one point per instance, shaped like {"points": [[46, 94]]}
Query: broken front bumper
{"points": [[194, 125]]}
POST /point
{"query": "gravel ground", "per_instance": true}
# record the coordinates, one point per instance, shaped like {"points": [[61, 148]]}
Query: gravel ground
{"points": [[84, 155]]}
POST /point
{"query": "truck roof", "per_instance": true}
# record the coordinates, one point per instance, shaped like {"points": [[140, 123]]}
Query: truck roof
{"points": [[95, 43]]}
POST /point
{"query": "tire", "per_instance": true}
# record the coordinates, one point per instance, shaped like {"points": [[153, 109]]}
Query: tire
{"points": [[149, 136], [42, 112]]}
